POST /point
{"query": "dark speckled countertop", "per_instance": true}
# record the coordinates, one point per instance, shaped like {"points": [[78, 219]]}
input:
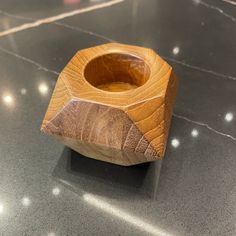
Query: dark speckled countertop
{"points": [[47, 189]]}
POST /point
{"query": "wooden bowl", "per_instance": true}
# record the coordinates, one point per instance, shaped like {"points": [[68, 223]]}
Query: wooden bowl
{"points": [[113, 103]]}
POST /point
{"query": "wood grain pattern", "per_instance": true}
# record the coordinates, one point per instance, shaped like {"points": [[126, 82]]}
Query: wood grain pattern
{"points": [[114, 103]]}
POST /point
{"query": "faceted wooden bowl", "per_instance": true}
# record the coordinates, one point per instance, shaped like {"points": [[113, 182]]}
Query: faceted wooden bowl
{"points": [[113, 103]]}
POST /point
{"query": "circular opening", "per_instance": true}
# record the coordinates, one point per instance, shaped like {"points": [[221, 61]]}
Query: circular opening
{"points": [[116, 72]]}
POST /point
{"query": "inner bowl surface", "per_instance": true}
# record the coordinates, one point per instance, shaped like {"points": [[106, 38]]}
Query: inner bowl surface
{"points": [[117, 72]]}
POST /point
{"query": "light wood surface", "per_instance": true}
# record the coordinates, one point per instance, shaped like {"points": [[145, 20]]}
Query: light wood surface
{"points": [[113, 103]]}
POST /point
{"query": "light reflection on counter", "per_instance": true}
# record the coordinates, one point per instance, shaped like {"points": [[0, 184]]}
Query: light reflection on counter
{"points": [[229, 116], [51, 234], [175, 50], [175, 142], [26, 201], [23, 91], [123, 215], [43, 88], [8, 99], [194, 133], [56, 191]]}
